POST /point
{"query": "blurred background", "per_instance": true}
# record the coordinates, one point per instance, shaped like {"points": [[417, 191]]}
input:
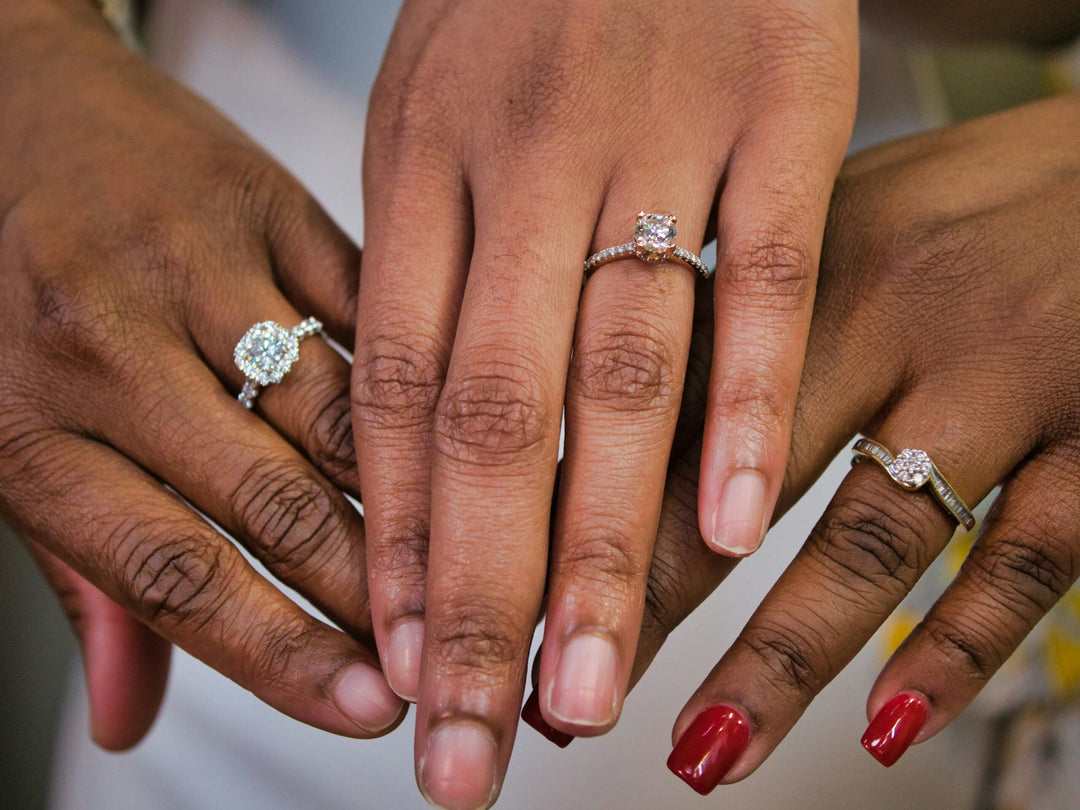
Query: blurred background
{"points": [[298, 81]]}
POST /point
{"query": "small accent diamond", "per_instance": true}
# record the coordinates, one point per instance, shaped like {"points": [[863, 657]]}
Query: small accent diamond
{"points": [[911, 467], [654, 237], [267, 352]]}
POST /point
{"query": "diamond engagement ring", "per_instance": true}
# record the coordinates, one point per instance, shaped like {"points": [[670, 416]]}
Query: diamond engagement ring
{"points": [[654, 242], [913, 469], [266, 353]]}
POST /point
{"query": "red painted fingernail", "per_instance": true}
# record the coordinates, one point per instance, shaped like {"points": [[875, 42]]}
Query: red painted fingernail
{"points": [[530, 713], [707, 750], [895, 728]]}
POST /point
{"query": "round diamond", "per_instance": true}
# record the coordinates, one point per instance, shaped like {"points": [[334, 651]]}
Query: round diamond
{"points": [[911, 467], [654, 236], [266, 353]]}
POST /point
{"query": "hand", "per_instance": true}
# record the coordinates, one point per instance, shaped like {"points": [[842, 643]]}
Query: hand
{"points": [[141, 236], [946, 320], [506, 142]]}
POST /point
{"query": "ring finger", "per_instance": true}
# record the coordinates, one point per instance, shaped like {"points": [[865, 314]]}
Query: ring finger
{"points": [[623, 395], [239, 471], [872, 544]]}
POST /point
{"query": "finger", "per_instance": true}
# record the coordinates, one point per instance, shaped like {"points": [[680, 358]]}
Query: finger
{"points": [[495, 451], [126, 663], [622, 400], [871, 545], [770, 225], [419, 237], [1027, 557], [175, 419], [310, 406], [157, 560], [314, 263]]}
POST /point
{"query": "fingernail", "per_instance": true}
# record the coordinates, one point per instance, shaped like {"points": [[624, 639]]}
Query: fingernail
{"points": [[738, 524], [895, 727], [584, 688], [458, 771], [363, 695], [530, 713], [710, 747], [403, 659]]}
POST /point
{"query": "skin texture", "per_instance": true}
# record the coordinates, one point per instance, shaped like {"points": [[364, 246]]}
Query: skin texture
{"points": [[505, 143], [140, 236], [946, 320]]}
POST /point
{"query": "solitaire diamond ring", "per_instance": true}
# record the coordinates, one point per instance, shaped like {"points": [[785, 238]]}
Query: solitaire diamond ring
{"points": [[266, 353], [654, 242], [913, 469]]}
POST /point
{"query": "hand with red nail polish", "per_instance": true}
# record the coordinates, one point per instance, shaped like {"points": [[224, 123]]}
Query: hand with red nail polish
{"points": [[983, 374]]}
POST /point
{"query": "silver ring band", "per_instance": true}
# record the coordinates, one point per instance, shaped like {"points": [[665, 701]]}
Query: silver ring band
{"points": [[266, 353], [654, 242], [912, 470]]}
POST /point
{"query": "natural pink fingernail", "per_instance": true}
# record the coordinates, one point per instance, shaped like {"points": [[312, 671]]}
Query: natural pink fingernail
{"points": [[403, 659], [584, 690], [738, 524], [458, 770], [363, 695]]}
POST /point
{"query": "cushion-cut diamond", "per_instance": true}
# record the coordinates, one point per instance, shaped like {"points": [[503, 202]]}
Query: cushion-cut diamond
{"points": [[266, 353], [911, 467], [654, 237]]}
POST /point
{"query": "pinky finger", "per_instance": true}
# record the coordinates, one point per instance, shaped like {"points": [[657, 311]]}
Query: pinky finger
{"points": [[126, 663], [1026, 558]]}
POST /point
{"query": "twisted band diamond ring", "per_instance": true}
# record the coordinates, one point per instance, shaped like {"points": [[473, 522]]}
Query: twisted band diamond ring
{"points": [[913, 469]]}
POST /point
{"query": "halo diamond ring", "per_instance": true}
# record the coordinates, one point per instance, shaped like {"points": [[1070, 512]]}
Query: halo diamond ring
{"points": [[266, 353]]}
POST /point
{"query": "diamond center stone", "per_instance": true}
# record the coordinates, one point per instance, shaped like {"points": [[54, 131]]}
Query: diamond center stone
{"points": [[654, 237], [911, 467], [267, 352]]}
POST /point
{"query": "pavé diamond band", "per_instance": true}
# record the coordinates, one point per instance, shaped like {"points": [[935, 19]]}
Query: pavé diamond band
{"points": [[654, 242], [266, 352], [913, 469]]}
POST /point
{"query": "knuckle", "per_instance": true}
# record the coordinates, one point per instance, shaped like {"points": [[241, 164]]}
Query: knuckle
{"points": [[290, 517], [280, 650], [773, 270], [868, 549], [1028, 574], [607, 557], [329, 439], [489, 414], [74, 319], [786, 656], [755, 400], [396, 383], [412, 109], [973, 651], [402, 552], [476, 637], [631, 369], [172, 581], [669, 594]]}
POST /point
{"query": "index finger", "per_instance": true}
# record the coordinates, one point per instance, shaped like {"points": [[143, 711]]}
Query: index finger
{"points": [[496, 441]]}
